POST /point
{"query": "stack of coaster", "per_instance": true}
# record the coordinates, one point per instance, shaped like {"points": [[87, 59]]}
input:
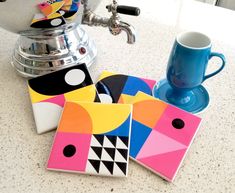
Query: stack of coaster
{"points": [[98, 131]]}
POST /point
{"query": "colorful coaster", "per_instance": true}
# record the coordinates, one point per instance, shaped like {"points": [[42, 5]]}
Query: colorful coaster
{"points": [[92, 138], [119, 88], [54, 13], [161, 135], [49, 92]]}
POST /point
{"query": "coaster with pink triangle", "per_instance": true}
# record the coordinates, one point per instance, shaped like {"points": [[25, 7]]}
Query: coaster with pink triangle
{"points": [[161, 135]]}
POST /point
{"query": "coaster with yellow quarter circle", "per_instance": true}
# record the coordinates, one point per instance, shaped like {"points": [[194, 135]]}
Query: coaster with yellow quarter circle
{"points": [[92, 138]]}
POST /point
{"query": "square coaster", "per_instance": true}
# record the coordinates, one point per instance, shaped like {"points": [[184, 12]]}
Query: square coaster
{"points": [[161, 135], [49, 92], [120, 88], [92, 138]]}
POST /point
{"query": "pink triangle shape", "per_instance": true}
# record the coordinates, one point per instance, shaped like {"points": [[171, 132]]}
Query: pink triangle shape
{"points": [[59, 100], [165, 165], [158, 143], [150, 83]]}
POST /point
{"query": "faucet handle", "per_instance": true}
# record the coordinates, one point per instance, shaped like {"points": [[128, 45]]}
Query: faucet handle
{"points": [[123, 9], [128, 10]]}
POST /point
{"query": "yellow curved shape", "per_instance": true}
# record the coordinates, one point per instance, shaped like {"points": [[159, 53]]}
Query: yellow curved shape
{"points": [[140, 96], [105, 74], [106, 117], [55, 7], [36, 97], [54, 15], [87, 93], [75, 119], [147, 109], [68, 2]]}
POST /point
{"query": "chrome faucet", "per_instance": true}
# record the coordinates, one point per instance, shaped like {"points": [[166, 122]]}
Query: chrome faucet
{"points": [[114, 23]]}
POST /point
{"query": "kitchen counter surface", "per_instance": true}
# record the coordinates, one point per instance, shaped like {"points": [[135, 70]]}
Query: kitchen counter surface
{"points": [[209, 165]]}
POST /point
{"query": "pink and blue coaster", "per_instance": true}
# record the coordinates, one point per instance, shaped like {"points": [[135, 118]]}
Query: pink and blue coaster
{"points": [[49, 92], [92, 138], [161, 135], [120, 88]]}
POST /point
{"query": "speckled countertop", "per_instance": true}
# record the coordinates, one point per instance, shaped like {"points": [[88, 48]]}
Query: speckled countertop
{"points": [[209, 165]]}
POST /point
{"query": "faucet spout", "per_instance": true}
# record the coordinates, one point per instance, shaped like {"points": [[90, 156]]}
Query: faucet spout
{"points": [[130, 31], [114, 23]]}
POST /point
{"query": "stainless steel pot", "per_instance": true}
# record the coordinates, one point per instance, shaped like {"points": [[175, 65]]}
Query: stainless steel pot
{"points": [[51, 37]]}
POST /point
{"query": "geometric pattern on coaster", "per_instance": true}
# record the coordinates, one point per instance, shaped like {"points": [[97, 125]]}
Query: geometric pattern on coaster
{"points": [[41, 111], [177, 124], [97, 140], [139, 134], [81, 117], [109, 156], [148, 118], [164, 164], [105, 153], [120, 88], [161, 143], [69, 152], [54, 13], [161, 147], [49, 92]]}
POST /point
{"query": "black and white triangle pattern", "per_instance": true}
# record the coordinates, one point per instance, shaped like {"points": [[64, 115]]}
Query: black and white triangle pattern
{"points": [[108, 155]]}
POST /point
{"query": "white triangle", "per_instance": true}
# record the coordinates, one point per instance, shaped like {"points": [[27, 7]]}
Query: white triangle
{"points": [[39, 16], [107, 143], [90, 169], [44, 122], [104, 170], [104, 98], [105, 156], [92, 155], [117, 171], [120, 144], [95, 142], [119, 157]]}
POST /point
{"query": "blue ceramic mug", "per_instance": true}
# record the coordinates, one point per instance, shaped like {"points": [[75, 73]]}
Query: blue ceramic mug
{"points": [[186, 71], [189, 59]]}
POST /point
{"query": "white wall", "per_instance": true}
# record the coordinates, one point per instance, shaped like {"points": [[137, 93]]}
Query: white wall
{"points": [[227, 4], [208, 1]]}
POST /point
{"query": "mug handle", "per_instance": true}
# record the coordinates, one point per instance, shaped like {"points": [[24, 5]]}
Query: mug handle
{"points": [[222, 57]]}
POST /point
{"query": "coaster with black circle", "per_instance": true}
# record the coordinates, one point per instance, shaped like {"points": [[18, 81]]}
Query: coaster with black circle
{"points": [[92, 138], [161, 135]]}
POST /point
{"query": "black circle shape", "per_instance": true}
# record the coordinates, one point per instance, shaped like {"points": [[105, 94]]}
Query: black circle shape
{"points": [[69, 150], [178, 123]]}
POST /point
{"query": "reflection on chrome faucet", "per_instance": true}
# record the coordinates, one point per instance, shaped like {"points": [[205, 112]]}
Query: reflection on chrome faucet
{"points": [[114, 23]]}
